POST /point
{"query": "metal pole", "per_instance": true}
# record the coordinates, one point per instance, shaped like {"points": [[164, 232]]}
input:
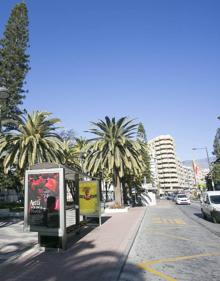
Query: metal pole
{"points": [[77, 200], [208, 159], [0, 119], [100, 198], [210, 168]]}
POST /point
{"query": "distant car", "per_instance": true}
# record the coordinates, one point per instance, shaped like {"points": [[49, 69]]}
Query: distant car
{"points": [[170, 197], [210, 205], [182, 199]]}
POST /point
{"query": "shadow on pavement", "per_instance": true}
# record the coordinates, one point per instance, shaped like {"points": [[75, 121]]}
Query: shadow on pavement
{"points": [[82, 261], [13, 250], [92, 223], [199, 215], [94, 220], [4, 222], [78, 263]]}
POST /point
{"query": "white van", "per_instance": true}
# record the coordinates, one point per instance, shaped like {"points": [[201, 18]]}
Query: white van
{"points": [[210, 205]]}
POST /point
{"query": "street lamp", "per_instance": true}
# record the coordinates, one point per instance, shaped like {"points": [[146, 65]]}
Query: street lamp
{"points": [[207, 154], [3, 97]]}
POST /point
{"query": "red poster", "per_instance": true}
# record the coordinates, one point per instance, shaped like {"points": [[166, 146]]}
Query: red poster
{"points": [[43, 200]]}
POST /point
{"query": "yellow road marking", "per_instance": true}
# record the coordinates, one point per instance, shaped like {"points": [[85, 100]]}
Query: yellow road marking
{"points": [[170, 227], [157, 220], [168, 221], [179, 221], [184, 238], [147, 265], [174, 236], [157, 273]]}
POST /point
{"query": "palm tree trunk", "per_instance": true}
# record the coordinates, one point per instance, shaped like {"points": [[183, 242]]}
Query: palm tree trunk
{"points": [[124, 188], [132, 197], [118, 193], [106, 191]]}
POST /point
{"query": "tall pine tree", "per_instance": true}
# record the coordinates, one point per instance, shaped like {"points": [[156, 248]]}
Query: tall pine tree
{"points": [[14, 61]]}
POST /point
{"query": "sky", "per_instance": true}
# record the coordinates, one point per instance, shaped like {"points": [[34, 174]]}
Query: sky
{"points": [[155, 61]]}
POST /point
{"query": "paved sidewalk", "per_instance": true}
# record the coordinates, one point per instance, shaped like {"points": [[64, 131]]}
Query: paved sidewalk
{"points": [[13, 241], [99, 255]]}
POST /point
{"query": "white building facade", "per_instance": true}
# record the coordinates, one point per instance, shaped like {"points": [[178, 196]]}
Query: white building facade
{"points": [[168, 173]]}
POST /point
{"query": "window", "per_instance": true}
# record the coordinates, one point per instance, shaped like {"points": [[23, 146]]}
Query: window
{"points": [[181, 196], [215, 199]]}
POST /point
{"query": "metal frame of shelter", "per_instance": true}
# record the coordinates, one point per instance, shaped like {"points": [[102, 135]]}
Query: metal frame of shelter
{"points": [[63, 183]]}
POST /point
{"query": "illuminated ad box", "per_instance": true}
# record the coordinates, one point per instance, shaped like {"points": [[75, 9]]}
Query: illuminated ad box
{"points": [[43, 202], [89, 198]]}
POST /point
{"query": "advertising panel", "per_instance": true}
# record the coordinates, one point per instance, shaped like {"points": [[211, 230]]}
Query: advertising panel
{"points": [[43, 199], [89, 201]]}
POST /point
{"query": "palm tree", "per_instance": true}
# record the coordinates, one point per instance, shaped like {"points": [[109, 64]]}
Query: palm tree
{"points": [[73, 153], [142, 140], [114, 151], [33, 141]]}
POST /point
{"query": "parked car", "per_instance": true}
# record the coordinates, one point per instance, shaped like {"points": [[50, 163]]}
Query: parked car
{"points": [[182, 199], [170, 196], [162, 196], [210, 205]]}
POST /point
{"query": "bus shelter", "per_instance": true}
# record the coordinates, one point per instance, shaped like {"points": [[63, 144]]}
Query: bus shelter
{"points": [[57, 199]]}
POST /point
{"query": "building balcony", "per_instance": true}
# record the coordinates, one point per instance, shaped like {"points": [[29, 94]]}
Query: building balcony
{"points": [[166, 161]]}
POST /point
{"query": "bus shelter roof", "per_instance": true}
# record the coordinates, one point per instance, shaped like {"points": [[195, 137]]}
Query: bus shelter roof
{"points": [[70, 173]]}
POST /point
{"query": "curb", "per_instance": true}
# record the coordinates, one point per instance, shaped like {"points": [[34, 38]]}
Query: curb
{"points": [[116, 211], [129, 246]]}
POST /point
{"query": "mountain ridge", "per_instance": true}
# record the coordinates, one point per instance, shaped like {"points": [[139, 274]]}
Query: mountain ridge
{"points": [[202, 163]]}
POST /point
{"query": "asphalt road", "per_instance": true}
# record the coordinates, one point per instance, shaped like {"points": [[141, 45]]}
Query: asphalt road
{"points": [[194, 212], [175, 243]]}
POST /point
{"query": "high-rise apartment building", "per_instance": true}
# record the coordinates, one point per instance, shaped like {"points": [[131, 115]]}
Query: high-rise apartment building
{"points": [[168, 173], [185, 175]]}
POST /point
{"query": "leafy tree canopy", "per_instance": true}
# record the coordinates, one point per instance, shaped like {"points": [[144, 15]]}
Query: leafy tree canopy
{"points": [[216, 144]]}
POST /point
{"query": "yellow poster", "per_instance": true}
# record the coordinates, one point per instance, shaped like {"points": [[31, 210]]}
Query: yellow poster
{"points": [[88, 198]]}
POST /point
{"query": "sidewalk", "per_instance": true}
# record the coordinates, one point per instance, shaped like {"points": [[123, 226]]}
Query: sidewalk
{"points": [[99, 255], [13, 240]]}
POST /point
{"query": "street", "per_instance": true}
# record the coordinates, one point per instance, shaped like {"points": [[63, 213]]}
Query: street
{"points": [[174, 243]]}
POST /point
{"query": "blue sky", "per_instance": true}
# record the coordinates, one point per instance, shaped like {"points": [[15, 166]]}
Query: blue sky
{"points": [[157, 61]]}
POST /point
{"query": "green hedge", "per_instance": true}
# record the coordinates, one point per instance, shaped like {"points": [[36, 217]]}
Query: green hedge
{"points": [[13, 206]]}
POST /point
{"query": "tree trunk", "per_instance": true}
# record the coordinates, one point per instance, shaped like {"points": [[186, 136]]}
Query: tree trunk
{"points": [[132, 196], [106, 191], [125, 197], [130, 190], [118, 193]]}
